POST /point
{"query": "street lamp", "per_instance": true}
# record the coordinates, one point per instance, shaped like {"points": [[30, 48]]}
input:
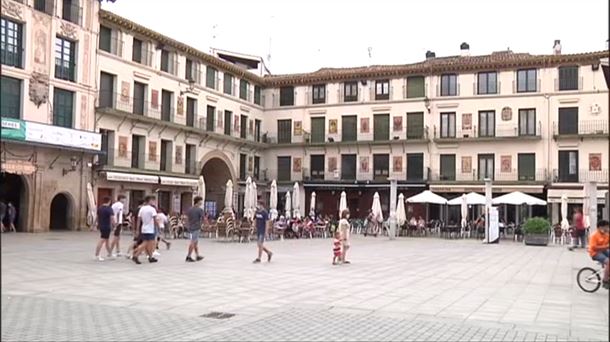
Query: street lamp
{"points": [[73, 164]]}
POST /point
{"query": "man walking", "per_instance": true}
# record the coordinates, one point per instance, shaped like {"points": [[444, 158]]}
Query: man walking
{"points": [[105, 221], [195, 218], [117, 209], [580, 230], [12, 217], [148, 215], [261, 217], [2, 214]]}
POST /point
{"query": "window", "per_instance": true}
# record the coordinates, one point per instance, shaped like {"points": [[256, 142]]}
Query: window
{"points": [[210, 77], [447, 167], [348, 166], [527, 122], [416, 87], [382, 90], [526, 81], [568, 166], [168, 63], [166, 105], [415, 125], [257, 167], [287, 96], [106, 99], [227, 86], [487, 123], [109, 41], [10, 98], [568, 78], [228, 121], [137, 151], [381, 167], [166, 155], [283, 168], [210, 121], [257, 130], [45, 6], [191, 72], [381, 127], [415, 166], [190, 160], [487, 83], [349, 128], [257, 95], [317, 166], [71, 11], [486, 166], [284, 131], [447, 125], [243, 89], [242, 166], [106, 147], [568, 120], [350, 91], [449, 85], [139, 98], [63, 107], [318, 129], [191, 111], [140, 53], [527, 166], [11, 41], [65, 59], [243, 127], [318, 93]]}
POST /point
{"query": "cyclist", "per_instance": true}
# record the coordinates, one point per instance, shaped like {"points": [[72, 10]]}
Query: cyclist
{"points": [[599, 249]]}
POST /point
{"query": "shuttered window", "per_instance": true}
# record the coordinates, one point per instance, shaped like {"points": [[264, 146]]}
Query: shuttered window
{"points": [[283, 168], [284, 131], [63, 107], [287, 96], [415, 87], [317, 166], [568, 120], [415, 166], [381, 167], [243, 89], [228, 84], [526, 166], [447, 167], [568, 78], [318, 130], [349, 128], [210, 77], [415, 125], [210, 120], [381, 127], [10, 98], [348, 166]]}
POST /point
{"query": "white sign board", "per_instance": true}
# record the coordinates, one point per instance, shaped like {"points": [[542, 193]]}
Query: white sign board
{"points": [[494, 227], [62, 136]]}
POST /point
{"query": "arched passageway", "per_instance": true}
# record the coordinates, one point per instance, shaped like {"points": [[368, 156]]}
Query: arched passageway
{"points": [[215, 173], [61, 210]]}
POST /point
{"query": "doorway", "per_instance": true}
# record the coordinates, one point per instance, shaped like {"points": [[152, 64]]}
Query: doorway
{"points": [[61, 210], [13, 190]]}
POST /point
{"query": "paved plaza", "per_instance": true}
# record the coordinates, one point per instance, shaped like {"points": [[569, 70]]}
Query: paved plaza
{"points": [[408, 289]]}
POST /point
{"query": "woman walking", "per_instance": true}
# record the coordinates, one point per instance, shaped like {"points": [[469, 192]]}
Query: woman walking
{"points": [[344, 230]]}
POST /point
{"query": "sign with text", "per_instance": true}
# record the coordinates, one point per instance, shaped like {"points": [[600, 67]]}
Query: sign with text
{"points": [[12, 129], [62, 136]]}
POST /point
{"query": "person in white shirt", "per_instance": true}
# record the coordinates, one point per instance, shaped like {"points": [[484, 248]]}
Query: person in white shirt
{"points": [[344, 229], [148, 216], [162, 223], [117, 207]]}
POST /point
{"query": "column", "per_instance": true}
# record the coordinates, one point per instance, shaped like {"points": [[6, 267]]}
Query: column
{"points": [[393, 186]]}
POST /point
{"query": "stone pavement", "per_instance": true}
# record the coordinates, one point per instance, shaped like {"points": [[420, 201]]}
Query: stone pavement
{"points": [[408, 289]]}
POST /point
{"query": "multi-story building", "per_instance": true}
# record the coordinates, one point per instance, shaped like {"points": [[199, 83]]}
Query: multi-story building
{"points": [[47, 100]]}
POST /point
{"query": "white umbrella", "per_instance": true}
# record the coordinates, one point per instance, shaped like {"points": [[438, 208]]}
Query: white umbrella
{"points": [[464, 209], [342, 203], [472, 198], [376, 208], [92, 212], [518, 198], [427, 196], [401, 213], [312, 204], [201, 189], [288, 205], [254, 198], [229, 196], [248, 199], [296, 201], [273, 200], [565, 225], [586, 205]]}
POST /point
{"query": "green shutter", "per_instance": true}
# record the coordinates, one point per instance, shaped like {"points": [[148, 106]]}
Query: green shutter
{"points": [[415, 87], [415, 125], [210, 77], [381, 127], [447, 167], [318, 129], [63, 107], [284, 128], [10, 98], [349, 128], [527, 166]]}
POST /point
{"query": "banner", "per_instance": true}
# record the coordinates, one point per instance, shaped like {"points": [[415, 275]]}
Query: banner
{"points": [[13, 129], [494, 227], [62, 136]]}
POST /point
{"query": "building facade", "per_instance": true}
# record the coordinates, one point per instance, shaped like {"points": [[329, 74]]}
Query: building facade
{"points": [[165, 113], [47, 100]]}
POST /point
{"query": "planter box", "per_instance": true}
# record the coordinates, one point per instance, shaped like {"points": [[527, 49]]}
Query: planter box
{"points": [[536, 239]]}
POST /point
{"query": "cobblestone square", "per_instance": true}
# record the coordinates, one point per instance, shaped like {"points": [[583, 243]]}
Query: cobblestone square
{"points": [[404, 290]]}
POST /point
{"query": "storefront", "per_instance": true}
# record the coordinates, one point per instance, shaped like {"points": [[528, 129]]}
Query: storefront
{"points": [[575, 199]]}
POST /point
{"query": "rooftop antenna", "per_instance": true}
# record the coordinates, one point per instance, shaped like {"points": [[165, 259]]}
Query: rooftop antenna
{"points": [[370, 50], [213, 43], [269, 48]]}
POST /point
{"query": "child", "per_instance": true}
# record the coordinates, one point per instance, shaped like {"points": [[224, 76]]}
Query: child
{"points": [[337, 252]]}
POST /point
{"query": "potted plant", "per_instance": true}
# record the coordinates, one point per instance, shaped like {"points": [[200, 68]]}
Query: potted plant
{"points": [[536, 231]]}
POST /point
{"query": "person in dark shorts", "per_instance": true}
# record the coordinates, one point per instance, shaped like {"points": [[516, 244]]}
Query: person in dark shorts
{"points": [[580, 231], [148, 216], [105, 221], [261, 217], [137, 226], [195, 217]]}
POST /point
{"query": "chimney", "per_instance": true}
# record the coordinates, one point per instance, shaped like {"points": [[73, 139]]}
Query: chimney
{"points": [[557, 47], [430, 55], [465, 49]]}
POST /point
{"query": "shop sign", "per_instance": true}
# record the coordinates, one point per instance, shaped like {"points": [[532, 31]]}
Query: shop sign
{"points": [[62, 136], [19, 167], [13, 129]]}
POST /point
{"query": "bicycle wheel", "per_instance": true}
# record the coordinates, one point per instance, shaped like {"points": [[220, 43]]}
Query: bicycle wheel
{"points": [[588, 279]]}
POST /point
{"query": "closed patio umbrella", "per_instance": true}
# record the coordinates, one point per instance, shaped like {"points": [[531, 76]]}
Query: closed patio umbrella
{"points": [[464, 209], [201, 189], [229, 196], [253, 198], [376, 208], [565, 225], [296, 201], [248, 199], [92, 212], [312, 204], [342, 203], [273, 200], [288, 205], [401, 213]]}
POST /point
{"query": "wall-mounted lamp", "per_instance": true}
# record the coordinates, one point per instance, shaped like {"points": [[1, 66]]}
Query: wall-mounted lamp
{"points": [[73, 164], [427, 104]]}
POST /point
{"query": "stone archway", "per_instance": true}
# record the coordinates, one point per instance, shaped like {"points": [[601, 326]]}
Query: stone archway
{"points": [[14, 190], [62, 208], [216, 171]]}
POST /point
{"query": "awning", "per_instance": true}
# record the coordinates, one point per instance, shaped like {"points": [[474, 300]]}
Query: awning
{"points": [[190, 182], [131, 177], [574, 195], [361, 185], [496, 188], [19, 167]]}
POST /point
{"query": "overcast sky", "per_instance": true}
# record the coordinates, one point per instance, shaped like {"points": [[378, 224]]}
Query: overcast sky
{"points": [[306, 35]]}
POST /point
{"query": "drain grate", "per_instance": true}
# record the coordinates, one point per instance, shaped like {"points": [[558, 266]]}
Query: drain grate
{"points": [[218, 315]]}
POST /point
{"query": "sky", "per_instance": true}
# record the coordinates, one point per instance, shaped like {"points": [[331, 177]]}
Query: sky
{"points": [[304, 36]]}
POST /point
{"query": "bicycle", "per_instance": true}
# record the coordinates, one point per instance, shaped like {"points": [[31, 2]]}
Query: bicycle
{"points": [[590, 279]]}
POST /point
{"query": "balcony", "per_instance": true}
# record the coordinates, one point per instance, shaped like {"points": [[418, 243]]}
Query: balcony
{"points": [[512, 176], [582, 176], [65, 70], [348, 98], [500, 133], [417, 134], [12, 56], [586, 129], [570, 84]]}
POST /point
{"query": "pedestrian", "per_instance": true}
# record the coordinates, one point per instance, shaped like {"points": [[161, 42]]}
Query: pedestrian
{"points": [[261, 217], [195, 219], [12, 216], [337, 252], [162, 222], [105, 222], [2, 214], [118, 208], [580, 231], [137, 231], [344, 231], [147, 215]]}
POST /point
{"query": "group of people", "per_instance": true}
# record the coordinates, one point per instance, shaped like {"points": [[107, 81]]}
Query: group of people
{"points": [[8, 215]]}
